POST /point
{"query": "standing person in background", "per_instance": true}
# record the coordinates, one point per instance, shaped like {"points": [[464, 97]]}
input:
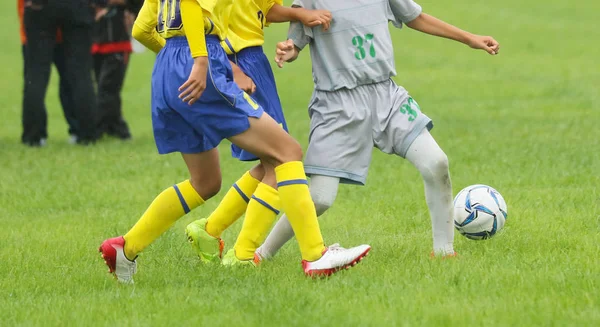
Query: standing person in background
{"points": [[66, 99], [111, 50], [41, 20]]}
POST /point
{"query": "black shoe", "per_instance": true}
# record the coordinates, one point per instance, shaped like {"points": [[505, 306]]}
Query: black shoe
{"points": [[120, 131], [35, 143], [85, 141]]}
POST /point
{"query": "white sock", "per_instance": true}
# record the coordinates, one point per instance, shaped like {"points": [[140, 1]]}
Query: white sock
{"points": [[431, 161], [323, 190]]}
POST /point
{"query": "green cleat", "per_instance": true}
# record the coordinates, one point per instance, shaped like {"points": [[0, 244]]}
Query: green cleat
{"points": [[208, 247], [231, 260]]}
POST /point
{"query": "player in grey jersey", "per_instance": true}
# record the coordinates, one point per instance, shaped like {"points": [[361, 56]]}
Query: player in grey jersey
{"points": [[355, 106]]}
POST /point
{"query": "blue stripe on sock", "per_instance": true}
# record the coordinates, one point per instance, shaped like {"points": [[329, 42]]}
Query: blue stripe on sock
{"points": [[292, 182], [186, 209], [266, 205], [241, 193]]}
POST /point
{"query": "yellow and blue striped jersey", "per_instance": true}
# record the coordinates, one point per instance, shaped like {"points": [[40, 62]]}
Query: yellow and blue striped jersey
{"points": [[165, 16], [246, 22]]}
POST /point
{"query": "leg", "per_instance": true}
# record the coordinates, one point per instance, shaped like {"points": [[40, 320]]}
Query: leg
{"points": [[235, 202], [426, 155], [263, 208], [205, 234], [99, 60], [110, 79], [77, 31], [40, 28], [120, 253], [275, 147], [65, 93], [176, 201], [323, 190]]}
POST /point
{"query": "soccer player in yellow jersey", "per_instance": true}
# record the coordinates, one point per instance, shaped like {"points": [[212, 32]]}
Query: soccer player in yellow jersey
{"points": [[255, 192], [195, 105]]}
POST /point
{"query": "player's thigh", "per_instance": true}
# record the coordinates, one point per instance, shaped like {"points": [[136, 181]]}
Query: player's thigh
{"points": [[398, 119], [205, 172], [267, 140], [340, 142]]}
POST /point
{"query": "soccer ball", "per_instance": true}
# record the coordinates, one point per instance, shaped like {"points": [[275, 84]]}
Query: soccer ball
{"points": [[479, 212]]}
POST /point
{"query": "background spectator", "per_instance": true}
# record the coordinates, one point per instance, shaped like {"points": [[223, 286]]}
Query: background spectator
{"points": [[111, 50], [59, 62], [41, 20]]}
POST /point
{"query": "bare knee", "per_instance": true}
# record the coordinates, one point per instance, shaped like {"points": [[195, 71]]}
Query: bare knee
{"points": [[258, 171], [288, 150], [206, 187]]}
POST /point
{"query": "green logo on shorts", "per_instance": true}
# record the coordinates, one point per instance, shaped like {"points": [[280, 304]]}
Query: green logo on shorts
{"points": [[411, 109]]}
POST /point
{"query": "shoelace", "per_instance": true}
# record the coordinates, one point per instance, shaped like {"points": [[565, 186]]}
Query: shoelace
{"points": [[335, 247]]}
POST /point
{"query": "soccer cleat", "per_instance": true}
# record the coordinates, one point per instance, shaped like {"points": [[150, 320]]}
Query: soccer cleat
{"points": [[258, 258], [229, 259], [118, 264], [443, 256], [208, 247], [334, 259]]}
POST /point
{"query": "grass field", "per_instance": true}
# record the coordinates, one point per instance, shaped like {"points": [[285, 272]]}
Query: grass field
{"points": [[525, 122]]}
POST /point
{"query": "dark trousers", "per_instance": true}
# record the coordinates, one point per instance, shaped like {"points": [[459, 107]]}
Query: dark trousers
{"points": [[75, 19], [64, 90], [110, 74]]}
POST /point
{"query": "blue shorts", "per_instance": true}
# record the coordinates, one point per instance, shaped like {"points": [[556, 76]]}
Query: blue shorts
{"points": [[253, 62], [221, 112]]}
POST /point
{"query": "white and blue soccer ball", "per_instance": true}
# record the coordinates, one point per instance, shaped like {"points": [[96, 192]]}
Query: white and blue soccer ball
{"points": [[479, 212]]}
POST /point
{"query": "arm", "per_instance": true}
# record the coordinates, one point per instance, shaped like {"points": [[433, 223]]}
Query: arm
{"points": [[310, 18], [192, 18], [144, 28], [242, 80], [286, 52], [299, 37], [428, 24]]}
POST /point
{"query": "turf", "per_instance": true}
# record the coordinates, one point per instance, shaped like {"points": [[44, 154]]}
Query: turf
{"points": [[525, 122]]}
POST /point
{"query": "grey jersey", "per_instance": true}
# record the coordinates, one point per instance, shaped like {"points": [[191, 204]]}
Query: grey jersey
{"points": [[357, 49]]}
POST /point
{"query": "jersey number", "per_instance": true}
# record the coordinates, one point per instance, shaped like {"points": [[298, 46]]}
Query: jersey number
{"points": [[261, 17], [411, 109], [169, 16], [359, 43]]}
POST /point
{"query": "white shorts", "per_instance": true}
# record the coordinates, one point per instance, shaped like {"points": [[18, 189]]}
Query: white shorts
{"points": [[345, 125]]}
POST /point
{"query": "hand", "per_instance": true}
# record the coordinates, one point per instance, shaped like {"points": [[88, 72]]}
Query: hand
{"points": [[193, 88], [486, 43], [244, 82], [129, 20], [100, 12], [312, 18], [286, 51]]}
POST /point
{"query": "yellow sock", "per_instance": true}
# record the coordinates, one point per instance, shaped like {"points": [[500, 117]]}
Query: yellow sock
{"points": [[232, 206], [262, 210], [166, 208], [300, 209]]}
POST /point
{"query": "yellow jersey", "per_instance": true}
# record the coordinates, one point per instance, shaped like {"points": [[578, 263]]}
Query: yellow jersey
{"points": [[246, 22], [165, 17]]}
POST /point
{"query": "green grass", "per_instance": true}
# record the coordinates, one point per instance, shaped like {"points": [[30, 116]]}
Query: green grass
{"points": [[525, 122]]}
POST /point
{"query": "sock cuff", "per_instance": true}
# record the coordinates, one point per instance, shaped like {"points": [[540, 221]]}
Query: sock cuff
{"points": [[187, 195], [290, 173], [268, 197], [246, 186]]}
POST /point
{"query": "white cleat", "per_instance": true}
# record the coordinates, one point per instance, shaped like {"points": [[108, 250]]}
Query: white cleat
{"points": [[118, 264], [334, 259]]}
